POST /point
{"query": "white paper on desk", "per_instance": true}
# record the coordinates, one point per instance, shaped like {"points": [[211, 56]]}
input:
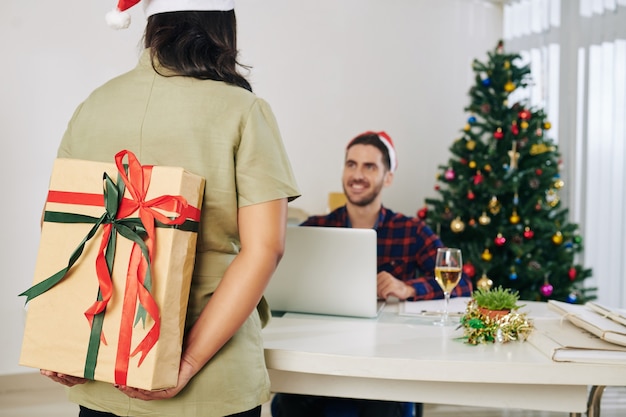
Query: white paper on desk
{"points": [[565, 342], [427, 308], [583, 317]]}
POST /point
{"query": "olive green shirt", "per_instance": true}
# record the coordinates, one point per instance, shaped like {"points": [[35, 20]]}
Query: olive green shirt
{"points": [[228, 136]]}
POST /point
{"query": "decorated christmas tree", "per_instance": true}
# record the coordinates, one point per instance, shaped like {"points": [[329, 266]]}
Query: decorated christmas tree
{"points": [[499, 192]]}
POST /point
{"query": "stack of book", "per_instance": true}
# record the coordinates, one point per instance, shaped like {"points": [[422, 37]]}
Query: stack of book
{"points": [[590, 333]]}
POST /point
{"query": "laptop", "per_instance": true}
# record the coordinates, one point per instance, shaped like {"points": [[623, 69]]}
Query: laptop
{"points": [[326, 270]]}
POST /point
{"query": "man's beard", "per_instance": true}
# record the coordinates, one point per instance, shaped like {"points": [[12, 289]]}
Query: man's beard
{"points": [[365, 199]]}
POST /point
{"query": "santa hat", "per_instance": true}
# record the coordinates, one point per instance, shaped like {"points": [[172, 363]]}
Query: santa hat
{"points": [[386, 140], [119, 18]]}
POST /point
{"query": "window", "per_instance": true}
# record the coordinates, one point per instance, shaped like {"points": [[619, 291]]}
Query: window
{"points": [[577, 53]]}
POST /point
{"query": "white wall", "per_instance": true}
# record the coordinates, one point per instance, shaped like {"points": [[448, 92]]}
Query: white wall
{"points": [[330, 69]]}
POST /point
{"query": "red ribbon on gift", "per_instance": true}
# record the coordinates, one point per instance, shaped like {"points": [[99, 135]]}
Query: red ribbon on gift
{"points": [[137, 180]]}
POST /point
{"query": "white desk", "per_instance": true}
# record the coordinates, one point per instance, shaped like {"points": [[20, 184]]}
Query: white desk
{"points": [[403, 358]]}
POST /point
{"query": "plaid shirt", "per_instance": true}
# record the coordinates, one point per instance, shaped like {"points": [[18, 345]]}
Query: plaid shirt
{"points": [[407, 248]]}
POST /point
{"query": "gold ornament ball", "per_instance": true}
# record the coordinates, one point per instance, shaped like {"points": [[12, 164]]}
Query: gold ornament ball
{"points": [[509, 86], [484, 283], [559, 184], [557, 238], [457, 225], [514, 219], [484, 219], [471, 144], [547, 125], [472, 164], [467, 127], [486, 255], [524, 125], [494, 205]]}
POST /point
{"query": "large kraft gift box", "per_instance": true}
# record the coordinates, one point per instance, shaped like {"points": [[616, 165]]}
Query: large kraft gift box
{"points": [[125, 327]]}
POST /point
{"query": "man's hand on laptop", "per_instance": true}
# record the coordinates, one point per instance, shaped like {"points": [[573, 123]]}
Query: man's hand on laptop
{"points": [[387, 285]]}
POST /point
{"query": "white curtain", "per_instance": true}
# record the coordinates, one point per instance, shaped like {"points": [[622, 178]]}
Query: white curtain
{"points": [[577, 52]]}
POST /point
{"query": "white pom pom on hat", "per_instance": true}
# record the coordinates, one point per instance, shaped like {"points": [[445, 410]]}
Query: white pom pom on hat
{"points": [[119, 18]]}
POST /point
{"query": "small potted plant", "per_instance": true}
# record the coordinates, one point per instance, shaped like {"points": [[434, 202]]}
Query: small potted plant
{"points": [[496, 302], [490, 317]]}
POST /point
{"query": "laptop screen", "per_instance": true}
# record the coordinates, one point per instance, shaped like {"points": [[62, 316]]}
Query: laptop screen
{"points": [[326, 270]]}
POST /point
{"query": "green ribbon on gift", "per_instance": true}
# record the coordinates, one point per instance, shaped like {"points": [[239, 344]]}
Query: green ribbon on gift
{"points": [[111, 202]]}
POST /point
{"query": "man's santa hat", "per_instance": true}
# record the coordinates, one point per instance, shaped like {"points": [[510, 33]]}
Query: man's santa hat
{"points": [[386, 140], [119, 18]]}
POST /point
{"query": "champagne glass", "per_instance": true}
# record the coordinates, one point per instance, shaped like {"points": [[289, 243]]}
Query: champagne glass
{"points": [[448, 267]]}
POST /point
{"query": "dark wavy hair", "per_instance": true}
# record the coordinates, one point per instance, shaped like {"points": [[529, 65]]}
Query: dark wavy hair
{"points": [[371, 138], [198, 44]]}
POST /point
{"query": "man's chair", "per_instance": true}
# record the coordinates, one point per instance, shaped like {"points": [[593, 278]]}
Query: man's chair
{"points": [[414, 410], [336, 200], [336, 410]]}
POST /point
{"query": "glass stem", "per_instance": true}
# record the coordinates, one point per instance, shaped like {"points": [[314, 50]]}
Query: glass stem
{"points": [[446, 298]]}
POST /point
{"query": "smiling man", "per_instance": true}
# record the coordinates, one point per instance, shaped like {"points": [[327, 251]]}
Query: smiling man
{"points": [[406, 245], [406, 253]]}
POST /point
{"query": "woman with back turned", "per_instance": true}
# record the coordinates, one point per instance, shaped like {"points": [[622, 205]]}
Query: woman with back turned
{"points": [[185, 104]]}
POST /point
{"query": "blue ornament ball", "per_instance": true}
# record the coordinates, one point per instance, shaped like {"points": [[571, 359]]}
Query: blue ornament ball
{"points": [[487, 82], [471, 119], [572, 298], [513, 276]]}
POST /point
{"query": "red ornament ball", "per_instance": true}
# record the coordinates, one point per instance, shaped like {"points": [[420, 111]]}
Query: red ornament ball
{"points": [[500, 240], [422, 213], [498, 134], [572, 273], [524, 115], [528, 233], [538, 171], [469, 270], [546, 289], [471, 195]]}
